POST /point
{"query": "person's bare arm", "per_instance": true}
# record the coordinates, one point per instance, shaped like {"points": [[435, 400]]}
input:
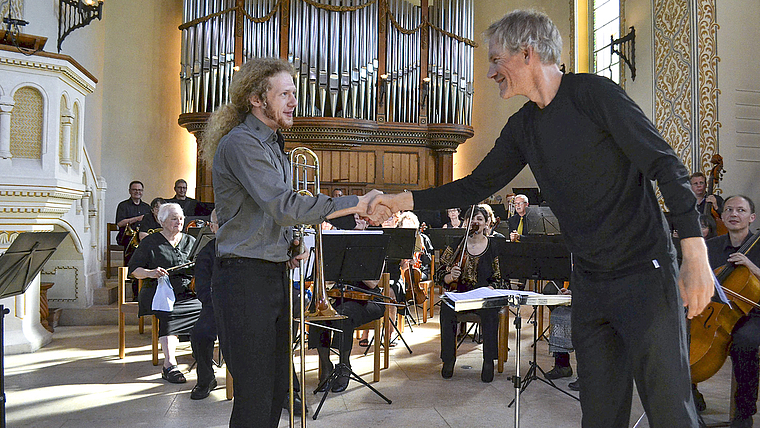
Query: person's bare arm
{"points": [[696, 278]]}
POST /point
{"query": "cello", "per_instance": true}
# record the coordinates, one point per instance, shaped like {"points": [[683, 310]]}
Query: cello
{"points": [[710, 210], [711, 330]]}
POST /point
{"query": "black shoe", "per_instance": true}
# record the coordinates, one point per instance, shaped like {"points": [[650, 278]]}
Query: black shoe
{"points": [[699, 399], [486, 373], [575, 385], [448, 369], [740, 422], [173, 375], [326, 372], [559, 372], [200, 392], [297, 404], [341, 382]]}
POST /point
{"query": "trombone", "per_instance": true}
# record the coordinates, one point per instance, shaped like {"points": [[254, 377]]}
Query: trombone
{"points": [[305, 171]]}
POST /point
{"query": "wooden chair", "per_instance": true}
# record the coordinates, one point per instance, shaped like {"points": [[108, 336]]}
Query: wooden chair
{"points": [[111, 227], [377, 326], [132, 307]]}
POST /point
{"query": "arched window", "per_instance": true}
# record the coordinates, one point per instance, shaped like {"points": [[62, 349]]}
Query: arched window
{"points": [[26, 123]]}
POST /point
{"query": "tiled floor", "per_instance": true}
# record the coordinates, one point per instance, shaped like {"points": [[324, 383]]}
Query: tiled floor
{"points": [[79, 381]]}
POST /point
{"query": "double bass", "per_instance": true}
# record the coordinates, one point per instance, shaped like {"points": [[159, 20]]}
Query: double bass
{"points": [[711, 330], [710, 211]]}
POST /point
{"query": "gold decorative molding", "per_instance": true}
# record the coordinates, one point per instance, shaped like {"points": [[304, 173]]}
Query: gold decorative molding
{"points": [[85, 86], [53, 272], [708, 83], [685, 78]]}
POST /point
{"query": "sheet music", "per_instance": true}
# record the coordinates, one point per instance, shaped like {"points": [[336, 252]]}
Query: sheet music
{"points": [[485, 297]]}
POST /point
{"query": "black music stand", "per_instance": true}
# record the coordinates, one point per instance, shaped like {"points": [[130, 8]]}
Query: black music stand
{"points": [[351, 257], [540, 261], [203, 236], [400, 247], [19, 265], [542, 221], [442, 238]]}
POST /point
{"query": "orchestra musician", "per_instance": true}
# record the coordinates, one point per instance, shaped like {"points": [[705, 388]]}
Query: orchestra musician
{"points": [[180, 197], [518, 223], [149, 223], [479, 268], [738, 214], [699, 187], [593, 153], [157, 253], [257, 208], [453, 218], [129, 214]]}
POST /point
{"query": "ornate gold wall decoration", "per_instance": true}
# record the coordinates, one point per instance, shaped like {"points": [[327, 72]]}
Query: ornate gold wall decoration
{"points": [[685, 79], [26, 123], [708, 83]]}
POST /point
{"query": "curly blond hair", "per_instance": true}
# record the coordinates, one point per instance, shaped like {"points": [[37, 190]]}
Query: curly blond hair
{"points": [[253, 79]]}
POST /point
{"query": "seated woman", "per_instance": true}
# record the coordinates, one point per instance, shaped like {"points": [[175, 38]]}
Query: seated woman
{"points": [[358, 312], [453, 218], [481, 269], [157, 253], [150, 223]]}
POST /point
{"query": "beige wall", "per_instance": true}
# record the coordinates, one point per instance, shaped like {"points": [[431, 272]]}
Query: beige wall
{"points": [[141, 104], [739, 99], [490, 112]]}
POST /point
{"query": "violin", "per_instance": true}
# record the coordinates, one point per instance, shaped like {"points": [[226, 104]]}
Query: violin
{"points": [[461, 256], [711, 330], [710, 211]]}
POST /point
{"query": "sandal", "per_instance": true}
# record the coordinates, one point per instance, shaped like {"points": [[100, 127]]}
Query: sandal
{"points": [[364, 342], [173, 375]]}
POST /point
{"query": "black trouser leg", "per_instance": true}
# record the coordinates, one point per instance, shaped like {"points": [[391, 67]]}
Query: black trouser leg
{"points": [[202, 339], [744, 359], [632, 328], [448, 321], [252, 316]]}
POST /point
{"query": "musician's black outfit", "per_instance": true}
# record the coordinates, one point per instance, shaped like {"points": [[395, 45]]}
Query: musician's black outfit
{"points": [[514, 221], [156, 251], [593, 153], [203, 334], [359, 312], [128, 209], [188, 205], [746, 335], [480, 270], [718, 199], [256, 207]]}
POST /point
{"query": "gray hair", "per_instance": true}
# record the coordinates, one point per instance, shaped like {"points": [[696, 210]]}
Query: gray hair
{"points": [[521, 29], [166, 210], [523, 197]]}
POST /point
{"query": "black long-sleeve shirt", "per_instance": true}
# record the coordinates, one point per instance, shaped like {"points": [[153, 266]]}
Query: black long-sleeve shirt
{"points": [[593, 153]]}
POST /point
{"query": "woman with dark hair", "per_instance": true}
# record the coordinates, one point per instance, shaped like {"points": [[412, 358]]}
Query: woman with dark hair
{"points": [[156, 254], [480, 268]]}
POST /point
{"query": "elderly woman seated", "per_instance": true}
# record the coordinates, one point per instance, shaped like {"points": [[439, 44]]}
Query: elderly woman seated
{"points": [[156, 254]]}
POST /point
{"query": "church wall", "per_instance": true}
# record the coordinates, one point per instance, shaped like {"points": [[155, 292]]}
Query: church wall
{"points": [[490, 112], [739, 99], [141, 101]]}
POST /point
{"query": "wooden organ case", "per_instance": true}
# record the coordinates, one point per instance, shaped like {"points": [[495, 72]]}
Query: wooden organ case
{"points": [[384, 86]]}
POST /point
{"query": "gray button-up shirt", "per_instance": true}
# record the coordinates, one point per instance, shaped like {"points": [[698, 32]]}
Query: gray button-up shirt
{"points": [[253, 195]]}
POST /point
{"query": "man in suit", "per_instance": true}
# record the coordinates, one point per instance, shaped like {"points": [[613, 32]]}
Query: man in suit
{"points": [[518, 223]]}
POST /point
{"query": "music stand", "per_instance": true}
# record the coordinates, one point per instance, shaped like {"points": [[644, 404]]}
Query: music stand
{"points": [[400, 247], [442, 238], [539, 261], [352, 257], [19, 265], [203, 237], [542, 221]]}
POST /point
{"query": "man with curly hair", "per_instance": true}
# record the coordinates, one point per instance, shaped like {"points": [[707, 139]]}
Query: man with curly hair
{"points": [[257, 208]]}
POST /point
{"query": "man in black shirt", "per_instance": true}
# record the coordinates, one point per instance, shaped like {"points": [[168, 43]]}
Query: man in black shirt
{"points": [[130, 213], [699, 187], [738, 213], [180, 197], [628, 321]]}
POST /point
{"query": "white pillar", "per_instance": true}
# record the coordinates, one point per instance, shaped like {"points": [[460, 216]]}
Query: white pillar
{"points": [[67, 118], [6, 105]]}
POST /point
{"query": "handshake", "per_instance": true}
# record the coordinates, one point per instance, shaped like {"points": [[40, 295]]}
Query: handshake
{"points": [[377, 207]]}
